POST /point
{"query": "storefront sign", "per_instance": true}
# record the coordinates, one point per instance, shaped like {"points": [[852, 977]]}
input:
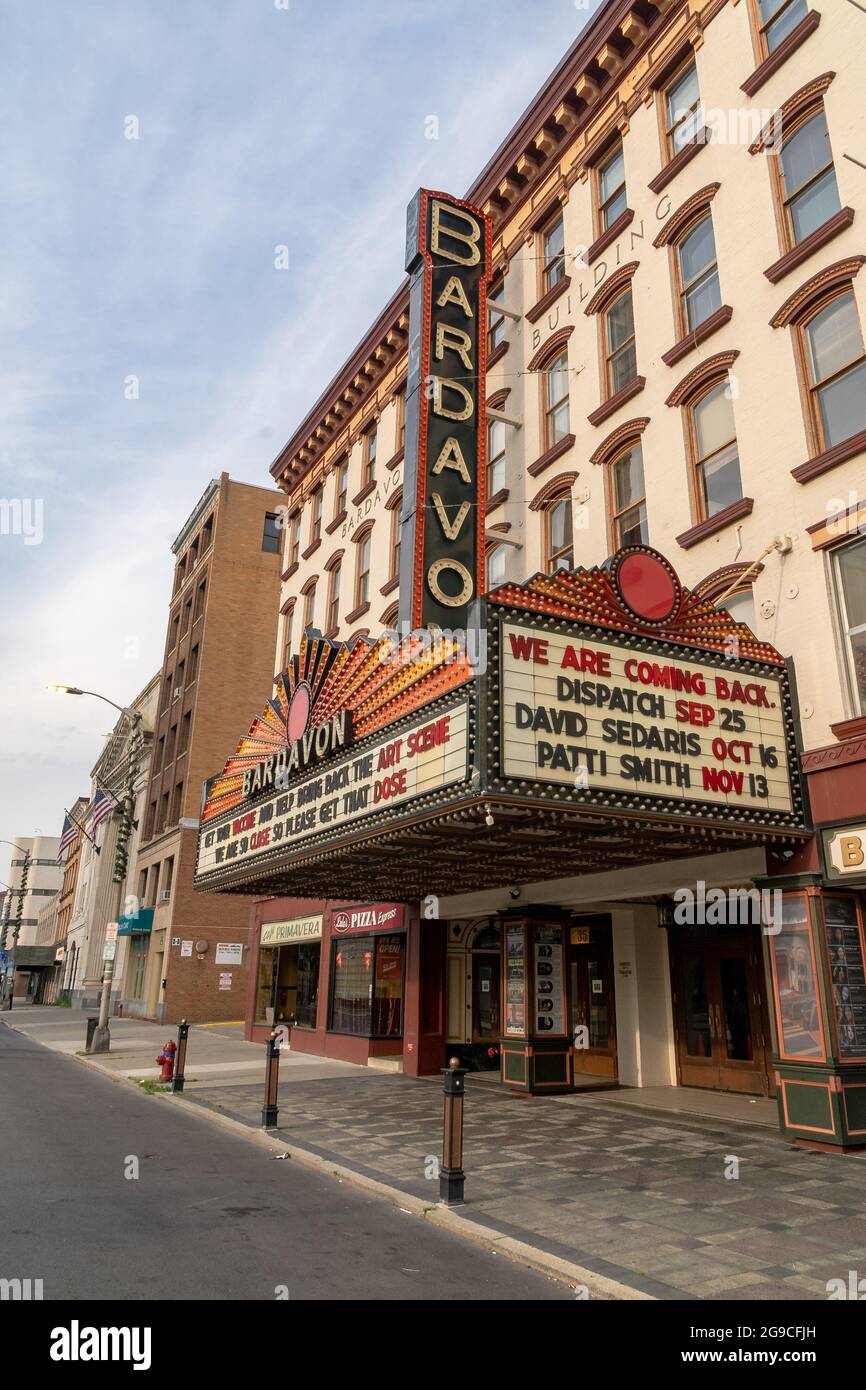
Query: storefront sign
{"points": [[360, 920], [229, 953], [425, 756], [294, 929], [448, 253], [845, 852], [591, 714]]}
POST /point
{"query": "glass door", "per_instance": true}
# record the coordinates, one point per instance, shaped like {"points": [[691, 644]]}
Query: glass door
{"points": [[593, 1010], [722, 1037]]}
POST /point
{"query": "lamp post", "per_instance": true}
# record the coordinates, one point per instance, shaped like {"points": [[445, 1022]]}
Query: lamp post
{"points": [[21, 890], [101, 1041]]}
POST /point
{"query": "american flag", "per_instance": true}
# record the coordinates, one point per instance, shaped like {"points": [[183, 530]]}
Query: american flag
{"points": [[67, 834], [102, 807]]}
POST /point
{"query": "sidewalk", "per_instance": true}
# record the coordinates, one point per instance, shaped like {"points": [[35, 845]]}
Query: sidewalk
{"points": [[628, 1191]]}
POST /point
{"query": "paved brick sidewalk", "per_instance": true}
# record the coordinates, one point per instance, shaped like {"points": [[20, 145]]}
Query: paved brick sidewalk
{"points": [[634, 1194]]}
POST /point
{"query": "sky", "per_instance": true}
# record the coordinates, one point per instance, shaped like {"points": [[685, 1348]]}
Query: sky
{"points": [[156, 154]]}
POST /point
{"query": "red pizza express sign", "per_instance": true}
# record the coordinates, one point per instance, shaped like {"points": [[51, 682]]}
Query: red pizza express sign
{"points": [[373, 917]]}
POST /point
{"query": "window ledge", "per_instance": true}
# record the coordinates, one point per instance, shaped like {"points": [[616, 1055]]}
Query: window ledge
{"points": [[771, 64], [679, 161], [849, 728], [735, 512], [549, 298], [822, 463], [364, 493], [292, 569], [398, 458], [357, 613], [697, 336], [497, 499], [392, 584], [332, 632], [338, 521], [798, 254], [497, 354], [550, 456], [602, 242], [311, 549], [613, 403]]}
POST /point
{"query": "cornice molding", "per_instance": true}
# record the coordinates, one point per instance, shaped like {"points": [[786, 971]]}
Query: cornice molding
{"points": [[800, 302], [790, 110], [556, 487], [547, 349], [692, 382], [611, 288], [679, 220], [618, 438]]}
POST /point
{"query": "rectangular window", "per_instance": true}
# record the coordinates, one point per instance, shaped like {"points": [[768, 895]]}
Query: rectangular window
{"points": [[371, 444], [850, 567], [177, 803], [610, 189], [400, 407], [367, 977], [559, 536], [287, 635], [395, 541], [496, 455], [620, 351], [700, 295], [362, 583], [836, 366], [316, 516], [168, 874], [629, 499], [272, 534], [310, 608], [682, 110], [193, 664], [185, 727], [552, 254], [295, 539], [334, 598], [717, 461], [810, 193], [777, 19], [496, 567], [556, 408], [199, 600], [495, 321], [341, 489]]}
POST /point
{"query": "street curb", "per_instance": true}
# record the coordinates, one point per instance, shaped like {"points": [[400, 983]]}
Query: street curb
{"points": [[598, 1286]]}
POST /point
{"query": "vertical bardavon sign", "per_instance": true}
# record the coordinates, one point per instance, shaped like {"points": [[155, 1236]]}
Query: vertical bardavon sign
{"points": [[448, 252]]}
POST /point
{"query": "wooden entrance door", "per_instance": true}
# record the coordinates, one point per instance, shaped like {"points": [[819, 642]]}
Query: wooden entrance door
{"points": [[593, 1005], [720, 1014], [486, 996]]}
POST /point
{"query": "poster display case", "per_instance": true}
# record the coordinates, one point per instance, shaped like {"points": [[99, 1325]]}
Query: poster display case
{"points": [[536, 1047]]}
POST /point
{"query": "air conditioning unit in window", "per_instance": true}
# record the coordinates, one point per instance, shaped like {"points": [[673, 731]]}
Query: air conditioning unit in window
{"points": [[178, 691], [164, 895]]}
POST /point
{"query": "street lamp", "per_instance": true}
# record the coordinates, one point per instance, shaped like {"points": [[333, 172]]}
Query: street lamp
{"points": [[101, 1041], [19, 911]]}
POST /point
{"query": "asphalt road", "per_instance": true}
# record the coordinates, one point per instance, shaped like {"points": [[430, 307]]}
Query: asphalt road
{"points": [[210, 1216]]}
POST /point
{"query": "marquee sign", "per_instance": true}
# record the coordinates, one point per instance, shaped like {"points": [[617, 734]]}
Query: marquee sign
{"points": [[620, 720], [448, 253]]}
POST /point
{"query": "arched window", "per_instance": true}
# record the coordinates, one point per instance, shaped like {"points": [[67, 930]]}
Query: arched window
{"points": [[809, 192], [697, 275], [556, 406], [362, 569], [395, 507], [741, 607], [309, 593], [834, 365], [627, 498], [333, 619], [558, 534], [620, 356], [496, 567], [715, 457]]}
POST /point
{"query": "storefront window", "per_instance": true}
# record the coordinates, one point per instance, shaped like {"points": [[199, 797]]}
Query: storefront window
{"points": [[288, 984], [798, 1009], [845, 953], [367, 986]]}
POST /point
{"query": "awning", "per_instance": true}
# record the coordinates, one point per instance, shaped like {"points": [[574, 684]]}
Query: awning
{"points": [[135, 923], [33, 957], [587, 735]]}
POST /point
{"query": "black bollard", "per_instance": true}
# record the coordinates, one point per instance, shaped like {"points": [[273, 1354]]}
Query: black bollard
{"points": [[451, 1175], [272, 1077], [180, 1060]]}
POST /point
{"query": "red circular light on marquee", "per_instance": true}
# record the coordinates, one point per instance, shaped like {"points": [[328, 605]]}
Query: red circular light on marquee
{"points": [[298, 716], [647, 584]]}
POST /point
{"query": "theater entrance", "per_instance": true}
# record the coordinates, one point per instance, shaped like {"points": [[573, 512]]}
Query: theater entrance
{"points": [[720, 1010], [593, 1004]]}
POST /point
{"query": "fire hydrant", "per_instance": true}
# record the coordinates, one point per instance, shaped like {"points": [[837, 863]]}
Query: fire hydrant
{"points": [[166, 1061]]}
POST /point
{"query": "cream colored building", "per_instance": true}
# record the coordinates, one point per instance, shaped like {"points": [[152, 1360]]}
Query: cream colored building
{"points": [[678, 226]]}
